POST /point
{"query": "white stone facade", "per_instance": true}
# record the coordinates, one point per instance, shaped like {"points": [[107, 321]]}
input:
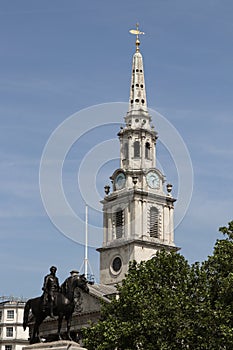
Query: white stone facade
{"points": [[12, 335]]}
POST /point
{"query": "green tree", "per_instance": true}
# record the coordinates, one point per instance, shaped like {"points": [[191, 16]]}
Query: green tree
{"points": [[165, 303], [150, 310], [219, 271]]}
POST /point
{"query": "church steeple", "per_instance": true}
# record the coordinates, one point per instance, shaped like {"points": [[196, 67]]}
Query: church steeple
{"points": [[138, 137], [137, 212]]}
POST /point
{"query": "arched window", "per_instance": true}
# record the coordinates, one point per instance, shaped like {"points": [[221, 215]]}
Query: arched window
{"points": [[147, 150], [119, 223], [126, 150], [136, 149], [154, 222]]}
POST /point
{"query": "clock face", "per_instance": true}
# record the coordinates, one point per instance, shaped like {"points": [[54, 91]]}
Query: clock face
{"points": [[120, 181], [152, 180]]}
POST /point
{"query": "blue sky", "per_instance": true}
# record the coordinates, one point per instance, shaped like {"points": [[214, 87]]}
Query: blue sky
{"points": [[59, 57]]}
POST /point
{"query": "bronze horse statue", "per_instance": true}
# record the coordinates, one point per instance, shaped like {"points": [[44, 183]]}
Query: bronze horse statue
{"points": [[64, 307]]}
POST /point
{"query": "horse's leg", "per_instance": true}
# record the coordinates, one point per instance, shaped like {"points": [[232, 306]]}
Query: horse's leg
{"points": [[68, 325], [60, 317], [35, 333], [36, 330]]}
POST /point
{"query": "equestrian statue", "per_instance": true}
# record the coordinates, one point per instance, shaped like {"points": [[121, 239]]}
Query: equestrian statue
{"points": [[55, 301]]}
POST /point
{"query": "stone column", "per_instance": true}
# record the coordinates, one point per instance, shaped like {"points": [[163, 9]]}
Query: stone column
{"points": [[144, 219], [127, 222], [130, 145], [143, 145], [138, 217], [105, 222], [166, 225], [133, 218], [171, 233], [153, 150], [110, 227], [121, 151]]}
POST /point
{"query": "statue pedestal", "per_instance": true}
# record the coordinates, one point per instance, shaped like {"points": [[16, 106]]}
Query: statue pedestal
{"points": [[55, 345]]}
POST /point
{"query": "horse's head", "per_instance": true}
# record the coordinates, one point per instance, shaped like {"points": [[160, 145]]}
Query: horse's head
{"points": [[82, 282]]}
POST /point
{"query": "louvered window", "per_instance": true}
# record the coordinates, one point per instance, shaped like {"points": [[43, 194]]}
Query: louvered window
{"points": [[154, 222], [119, 223]]}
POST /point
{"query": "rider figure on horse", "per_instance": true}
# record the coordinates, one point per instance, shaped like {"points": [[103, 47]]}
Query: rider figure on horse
{"points": [[66, 287], [50, 288]]}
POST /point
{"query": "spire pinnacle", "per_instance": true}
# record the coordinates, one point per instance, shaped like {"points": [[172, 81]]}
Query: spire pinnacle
{"points": [[137, 32], [137, 99]]}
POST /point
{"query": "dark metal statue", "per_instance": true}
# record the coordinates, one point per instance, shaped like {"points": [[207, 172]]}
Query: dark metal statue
{"points": [[66, 287], [63, 307], [50, 288]]}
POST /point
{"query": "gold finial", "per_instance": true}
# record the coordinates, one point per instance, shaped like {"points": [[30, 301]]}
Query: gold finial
{"points": [[137, 33]]}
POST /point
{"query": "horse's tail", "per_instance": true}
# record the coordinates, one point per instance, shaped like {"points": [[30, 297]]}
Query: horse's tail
{"points": [[27, 309]]}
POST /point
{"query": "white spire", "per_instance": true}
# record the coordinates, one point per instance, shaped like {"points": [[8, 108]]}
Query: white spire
{"points": [[137, 100]]}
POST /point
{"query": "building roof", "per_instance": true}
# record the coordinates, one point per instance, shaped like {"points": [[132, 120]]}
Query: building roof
{"points": [[12, 303], [102, 291], [8, 299]]}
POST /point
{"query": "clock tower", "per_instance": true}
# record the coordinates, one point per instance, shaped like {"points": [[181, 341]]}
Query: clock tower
{"points": [[137, 212]]}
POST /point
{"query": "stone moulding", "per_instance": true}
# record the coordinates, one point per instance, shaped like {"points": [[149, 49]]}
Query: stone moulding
{"points": [[55, 345]]}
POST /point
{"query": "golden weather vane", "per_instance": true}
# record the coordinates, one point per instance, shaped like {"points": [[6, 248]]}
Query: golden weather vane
{"points": [[137, 32]]}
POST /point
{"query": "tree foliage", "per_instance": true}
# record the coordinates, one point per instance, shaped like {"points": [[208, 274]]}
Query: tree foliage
{"points": [[165, 303]]}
